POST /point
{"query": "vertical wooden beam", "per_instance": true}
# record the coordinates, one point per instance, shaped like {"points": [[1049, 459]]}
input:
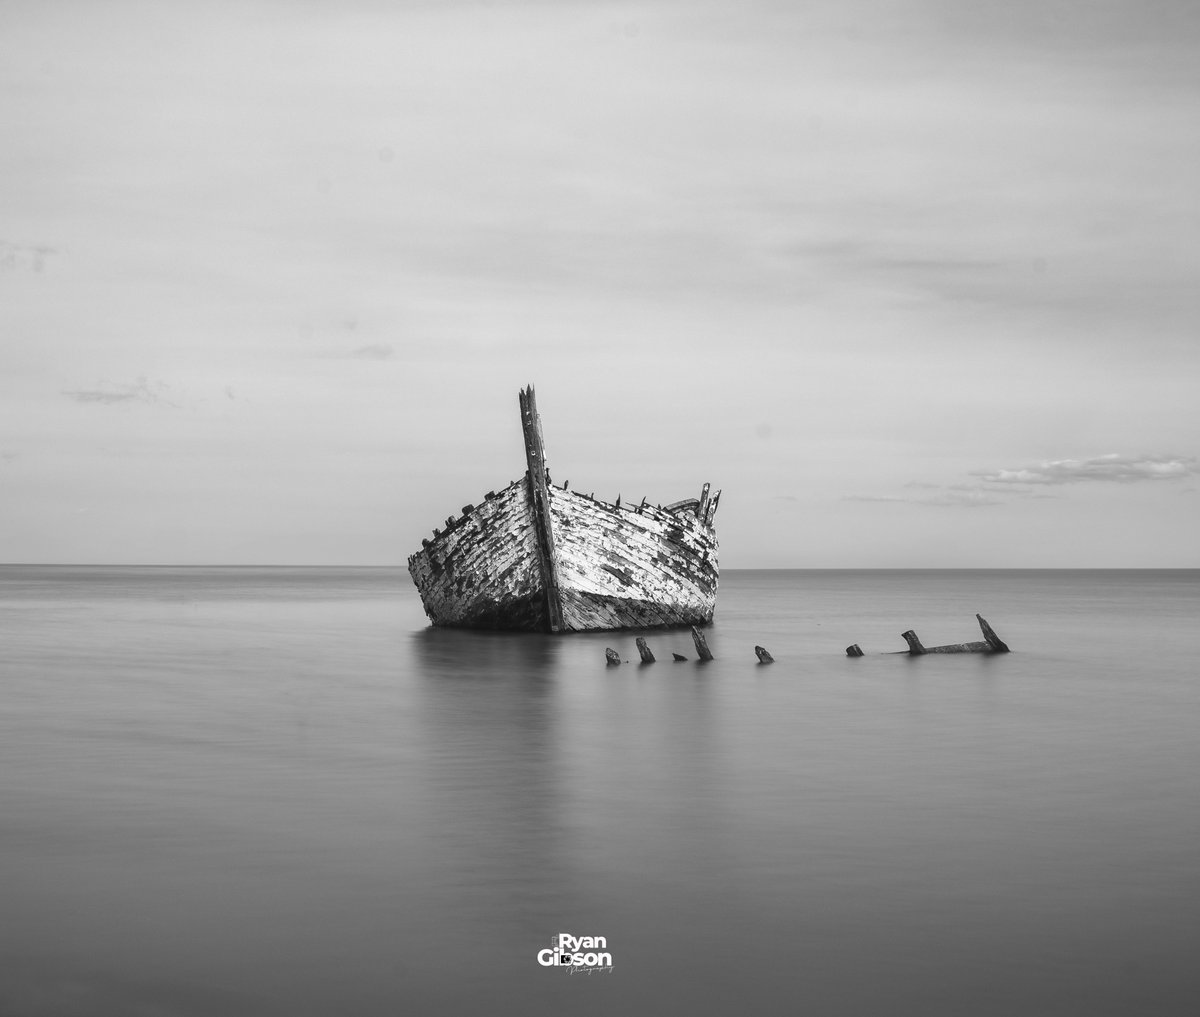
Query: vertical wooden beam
{"points": [[712, 508], [539, 503], [995, 643], [701, 644]]}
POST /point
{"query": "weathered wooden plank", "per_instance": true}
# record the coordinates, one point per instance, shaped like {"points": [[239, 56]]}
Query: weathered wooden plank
{"points": [[611, 656], [764, 657], [994, 641], [916, 649], [644, 650], [854, 650], [701, 644], [539, 499]]}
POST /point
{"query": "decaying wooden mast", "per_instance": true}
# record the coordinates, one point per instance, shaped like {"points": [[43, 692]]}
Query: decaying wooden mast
{"points": [[539, 503]]}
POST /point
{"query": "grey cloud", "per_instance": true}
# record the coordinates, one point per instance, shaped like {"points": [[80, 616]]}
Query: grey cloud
{"points": [[1113, 468], [375, 351], [953, 496], [27, 256], [960, 495], [108, 394], [996, 486], [874, 498]]}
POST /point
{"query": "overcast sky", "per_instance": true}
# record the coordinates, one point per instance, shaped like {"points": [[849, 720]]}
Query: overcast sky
{"points": [[915, 282]]}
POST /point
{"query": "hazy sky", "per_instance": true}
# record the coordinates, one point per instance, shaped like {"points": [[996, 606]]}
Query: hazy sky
{"points": [[915, 282]]}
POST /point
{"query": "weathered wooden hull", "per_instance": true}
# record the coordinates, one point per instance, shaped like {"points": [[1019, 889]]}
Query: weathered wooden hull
{"points": [[544, 559], [481, 571], [617, 567]]}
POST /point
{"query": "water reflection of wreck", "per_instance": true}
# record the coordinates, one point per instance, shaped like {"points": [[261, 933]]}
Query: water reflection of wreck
{"points": [[541, 558]]}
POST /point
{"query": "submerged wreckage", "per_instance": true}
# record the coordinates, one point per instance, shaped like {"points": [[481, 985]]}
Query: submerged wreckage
{"points": [[540, 558]]}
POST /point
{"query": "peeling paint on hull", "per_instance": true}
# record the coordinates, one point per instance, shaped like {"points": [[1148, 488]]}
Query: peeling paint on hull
{"points": [[618, 569], [573, 565]]}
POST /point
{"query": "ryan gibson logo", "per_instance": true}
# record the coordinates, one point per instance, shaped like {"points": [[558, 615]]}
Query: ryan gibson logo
{"points": [[578, 954]]}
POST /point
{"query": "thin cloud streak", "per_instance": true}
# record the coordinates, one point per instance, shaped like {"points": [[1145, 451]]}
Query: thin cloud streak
{"points": [[953, 496], [997, 487], [138, 391], [1114, 468]]}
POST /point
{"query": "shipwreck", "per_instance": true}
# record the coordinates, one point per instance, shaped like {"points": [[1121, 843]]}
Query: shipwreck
{"points": [[540, 558]]}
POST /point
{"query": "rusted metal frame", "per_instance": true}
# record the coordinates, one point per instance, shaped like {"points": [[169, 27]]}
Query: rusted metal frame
{"points": [[539, 502]]}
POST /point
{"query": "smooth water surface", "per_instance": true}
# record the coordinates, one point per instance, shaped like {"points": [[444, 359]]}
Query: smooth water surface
{"points": [[277, 791]]}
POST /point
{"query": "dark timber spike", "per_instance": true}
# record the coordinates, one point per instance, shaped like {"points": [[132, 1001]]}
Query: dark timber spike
{"points": [[644, 650], [854, 650], [539, 503], [764, 657], [611, 656], [679, 656], [914, 644], [701, 644], [994, 641]]}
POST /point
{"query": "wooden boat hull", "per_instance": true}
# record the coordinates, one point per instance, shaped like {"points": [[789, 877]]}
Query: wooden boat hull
{"points": [[541, 558], [617, 567]]}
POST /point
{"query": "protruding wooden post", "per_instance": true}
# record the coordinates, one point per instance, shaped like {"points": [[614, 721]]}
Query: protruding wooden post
{"points": [[701, 644], [679, 656], [854, 650], [764, 657], [644, 650], [539, 502], [994, 641], [611, 656], [712, 508], [702, 506], [914, 644]]}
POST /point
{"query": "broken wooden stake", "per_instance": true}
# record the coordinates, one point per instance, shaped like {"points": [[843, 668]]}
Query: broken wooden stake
{"points": [[611, 656], [644, 650], [764, 657], [854, 650], [993, 640], [701, 644], [679, 656]]}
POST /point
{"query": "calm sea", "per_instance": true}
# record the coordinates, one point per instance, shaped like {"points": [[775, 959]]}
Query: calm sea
{"points": [[276, 791]]}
